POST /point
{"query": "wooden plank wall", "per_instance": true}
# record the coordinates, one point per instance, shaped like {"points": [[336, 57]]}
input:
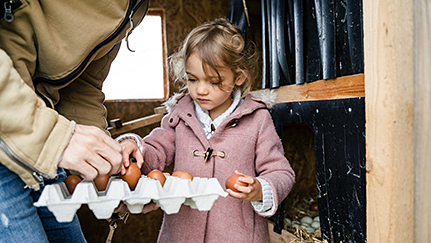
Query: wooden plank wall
{"points": [[422, 131]]}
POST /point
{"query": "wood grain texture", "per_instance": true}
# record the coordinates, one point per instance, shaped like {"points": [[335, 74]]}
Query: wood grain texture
{"points": [[339, 88], [422, 121], [135, 124], [389, 99]]}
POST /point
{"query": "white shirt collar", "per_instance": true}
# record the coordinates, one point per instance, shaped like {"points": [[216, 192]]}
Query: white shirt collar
{"points": [[206, 121]]}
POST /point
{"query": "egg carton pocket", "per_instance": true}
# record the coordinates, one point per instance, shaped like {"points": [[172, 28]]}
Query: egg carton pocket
{"points": [[206, 192], [199, 194]]}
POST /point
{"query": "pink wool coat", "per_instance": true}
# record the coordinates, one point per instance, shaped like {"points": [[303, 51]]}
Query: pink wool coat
{"points": [[246, 141]]}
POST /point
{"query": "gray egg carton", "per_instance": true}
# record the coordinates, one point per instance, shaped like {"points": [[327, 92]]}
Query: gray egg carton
{"points": [[199, 193]]}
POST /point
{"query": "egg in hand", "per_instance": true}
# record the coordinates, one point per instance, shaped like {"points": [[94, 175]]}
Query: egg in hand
{"points": [[232, 180], [132, 175], [71, 181], [101, 182]]}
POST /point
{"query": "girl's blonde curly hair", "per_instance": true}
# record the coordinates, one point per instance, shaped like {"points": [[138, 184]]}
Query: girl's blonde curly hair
{"points": [[218, 43]]}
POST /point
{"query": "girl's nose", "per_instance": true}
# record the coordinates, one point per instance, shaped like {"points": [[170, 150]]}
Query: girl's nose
{"points": [[202, 88]]}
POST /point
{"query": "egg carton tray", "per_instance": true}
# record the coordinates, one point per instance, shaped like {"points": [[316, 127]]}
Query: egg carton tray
{"points": [[199, 193]]}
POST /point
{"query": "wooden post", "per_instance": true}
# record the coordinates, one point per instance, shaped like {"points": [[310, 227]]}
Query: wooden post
{"points": [[389, 99], [422, 10]]}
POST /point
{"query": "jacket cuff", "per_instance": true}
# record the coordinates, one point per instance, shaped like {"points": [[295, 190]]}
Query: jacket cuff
{"points": [[132, 136], [55, 145], [266, 206], [71, 131]]}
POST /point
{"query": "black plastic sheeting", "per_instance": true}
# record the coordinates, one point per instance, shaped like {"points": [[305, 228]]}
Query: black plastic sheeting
{"points": [[339, 140], [236, 15], [308, 40]]}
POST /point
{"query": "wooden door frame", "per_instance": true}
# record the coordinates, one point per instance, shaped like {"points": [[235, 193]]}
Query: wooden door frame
{"points": [[397, 59]]}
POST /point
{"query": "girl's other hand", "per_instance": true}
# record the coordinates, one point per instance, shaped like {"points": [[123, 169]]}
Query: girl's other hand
{"points": [[251, 192], [130, 150]]}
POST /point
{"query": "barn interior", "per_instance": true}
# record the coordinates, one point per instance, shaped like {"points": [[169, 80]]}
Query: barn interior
{"points": [[317, 73]]}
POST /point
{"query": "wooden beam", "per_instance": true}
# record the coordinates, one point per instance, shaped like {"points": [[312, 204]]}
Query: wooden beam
{"points": [[389, 101], [339, 88], [135, 124], [160, 110]]}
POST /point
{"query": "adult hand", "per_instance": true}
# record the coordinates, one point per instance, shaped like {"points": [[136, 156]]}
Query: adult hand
{"points": [[91, 153]]}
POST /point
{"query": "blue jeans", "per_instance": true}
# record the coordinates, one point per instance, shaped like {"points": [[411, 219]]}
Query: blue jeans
{"points": [[20, 221]]}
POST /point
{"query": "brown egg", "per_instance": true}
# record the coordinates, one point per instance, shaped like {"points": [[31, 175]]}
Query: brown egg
{"points": [[71, 181], [158, 175], [232, 180], [132, 175], [314, 207], [183, 174], [101, 182]]}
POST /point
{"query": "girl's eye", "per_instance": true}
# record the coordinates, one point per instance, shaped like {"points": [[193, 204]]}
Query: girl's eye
{"points": [[191, 79], [214, 83]]}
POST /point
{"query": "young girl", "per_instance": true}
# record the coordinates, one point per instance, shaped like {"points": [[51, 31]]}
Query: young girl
{"points": [[216, 130]]}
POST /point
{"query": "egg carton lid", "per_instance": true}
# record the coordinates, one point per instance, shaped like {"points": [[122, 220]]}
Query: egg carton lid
{"points": [[199, 193]]}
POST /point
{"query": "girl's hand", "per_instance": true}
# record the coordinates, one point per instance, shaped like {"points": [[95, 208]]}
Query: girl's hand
{"points": [[130, 150], [251, 192]]}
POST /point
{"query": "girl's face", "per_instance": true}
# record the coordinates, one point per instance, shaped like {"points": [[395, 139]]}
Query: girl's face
{"points": [[205, 89]]}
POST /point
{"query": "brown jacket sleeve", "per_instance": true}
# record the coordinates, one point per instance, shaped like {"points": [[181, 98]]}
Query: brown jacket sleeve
{"points": [[32, 136]]}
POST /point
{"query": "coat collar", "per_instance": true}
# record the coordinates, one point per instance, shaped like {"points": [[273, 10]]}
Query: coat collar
{"points": [[266, 98], [184, 105], [184, 110]]}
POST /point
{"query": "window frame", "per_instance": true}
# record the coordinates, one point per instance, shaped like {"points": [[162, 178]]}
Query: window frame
{"points": [[161, 13]]}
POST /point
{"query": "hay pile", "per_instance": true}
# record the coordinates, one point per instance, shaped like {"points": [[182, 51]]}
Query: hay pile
{"points": [[297, 213]]}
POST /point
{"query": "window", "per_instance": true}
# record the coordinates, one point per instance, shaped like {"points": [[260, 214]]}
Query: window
{"points": [[141, 74]]}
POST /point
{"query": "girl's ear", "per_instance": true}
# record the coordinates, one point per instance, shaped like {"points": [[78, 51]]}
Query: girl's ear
{"points": [[241, 78]]}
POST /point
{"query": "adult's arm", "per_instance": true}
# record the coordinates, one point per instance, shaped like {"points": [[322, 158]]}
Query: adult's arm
{"points": [[34, 137]]}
